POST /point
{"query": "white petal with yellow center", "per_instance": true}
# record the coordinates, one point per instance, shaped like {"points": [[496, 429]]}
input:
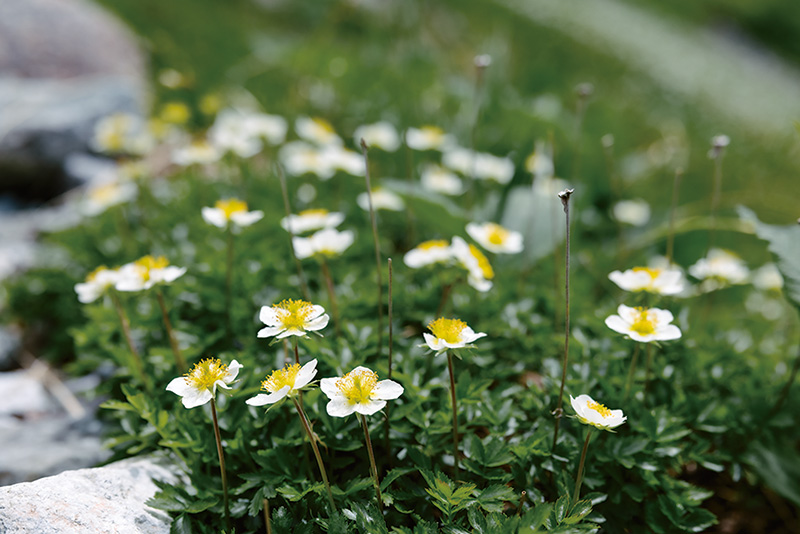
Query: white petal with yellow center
{"points": [[643, 324], [495, 238], [285, 382], [593, 413], [358, 391]]}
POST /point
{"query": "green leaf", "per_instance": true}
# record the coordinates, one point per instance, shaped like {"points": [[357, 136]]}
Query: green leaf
{"points": [[579, 511], [181, 525], [561, 508], [117, 405], [535, 518], [779, 469], [492, 498]]}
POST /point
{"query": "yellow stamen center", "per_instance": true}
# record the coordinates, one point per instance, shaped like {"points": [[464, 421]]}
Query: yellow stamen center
{"points": [[497, 235], [653, 272], [293, 314], [599, 408], [447, 329], [314, 213], [324, 125], [643, 324], [483, 262], [432, 132], [432, 244], [281, 378], [229, 206], [206, 373], [357, 385], [148, 263], [104, 194]]}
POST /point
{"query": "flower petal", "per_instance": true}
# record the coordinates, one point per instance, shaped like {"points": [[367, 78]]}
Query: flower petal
{"points": [[233, 371], [617, 324], [317, 324], [339, 407], [387, 390], [196, 397], [329, 388], [179, 386], [268, 316], [261, 399], [270, 331], [433, 342], [369, 407], [214, 216], [305, 375]]}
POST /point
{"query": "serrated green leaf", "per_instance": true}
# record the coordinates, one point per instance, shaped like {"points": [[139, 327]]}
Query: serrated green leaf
{"points": [[180, 525], [117, 405], [580, 510], [560, 509]]}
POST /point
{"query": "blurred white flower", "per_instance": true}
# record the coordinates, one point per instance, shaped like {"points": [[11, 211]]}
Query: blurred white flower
{"points": [[345, 160], [231, 133], [643, 324], [102, 196], [291, 317], [97, 283], [199, 385], [301, 158], [539, 163], [308, 220], [382, 199], [428, 253], [358, 391], [440, 180], [480, 272], [381, 135], [659, 281], [595, 414], [450, 334], [198, 152], [429, 138], [317, 130], [495, 238], [146, 272], [284, 383], [328, 242], [633, 212], [481, 165], [719, 269], [122, 133], [768, 278], [230, 210]]}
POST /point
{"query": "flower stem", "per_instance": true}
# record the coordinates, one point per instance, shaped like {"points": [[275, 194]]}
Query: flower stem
{"points": [[126, 330], [229, 283], [221, 464], [559, 411], [267, 522], [631, 371], [455, 413], [321, 465], [373, 467], [579, 480], [676, 183], [287, 207], [326, 273], [648, 369], [180, 362], [377, 247]]}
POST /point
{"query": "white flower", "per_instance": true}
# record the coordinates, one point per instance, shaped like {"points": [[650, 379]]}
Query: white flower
{"points": [[231, 133], [291, 318], [199, 152], [308, 220], [428, 138], [659, 281], [768, 278], [481, 165], [102, 196], [633, 212], [480, 272], [230, 210], [382, 199], [450, 334], [719, 269], [328, 242], [271, 128], [199, 385], [345, 160], [317, 130], [539, 163], [495, 238], [300, 158], [593, 413], [382, 135], [97, 283], [122, 133], [428, 253], [643, 324], [146, 272], [359, 391], [440, 180], [284, 382]]}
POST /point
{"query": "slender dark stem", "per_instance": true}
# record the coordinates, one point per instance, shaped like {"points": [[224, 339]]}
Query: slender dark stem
{"points": [[648, 369], [126, 330], [222, 472], [579, 480], [288, 209], [287, 355], [326, 273], [267, 522], [559, 411], [676, 184], [522, 497], [391, 337], [631, 371], [377, 247], [229, 283], [180, 362], [321, 465], [455, 413], [373, 467], [443, 301]]}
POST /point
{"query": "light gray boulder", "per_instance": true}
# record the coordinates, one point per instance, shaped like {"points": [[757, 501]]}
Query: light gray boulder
{"points": [[88, 501]]}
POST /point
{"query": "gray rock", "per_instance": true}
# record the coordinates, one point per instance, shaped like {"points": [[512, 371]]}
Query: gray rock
{"points": [[88, 501], [64, 64], [24, 393]]}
